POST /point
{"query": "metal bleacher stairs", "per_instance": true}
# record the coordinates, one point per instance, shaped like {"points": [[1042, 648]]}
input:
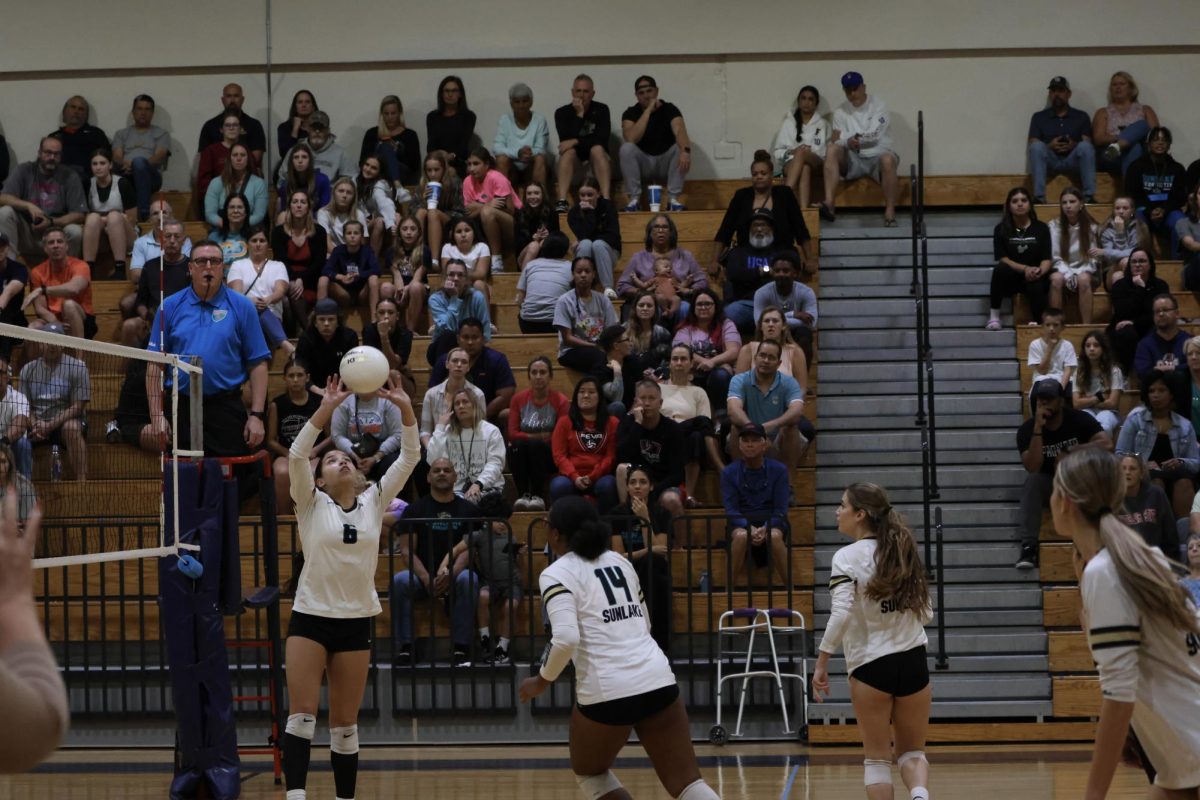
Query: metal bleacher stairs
{"points": [[995, 641]]}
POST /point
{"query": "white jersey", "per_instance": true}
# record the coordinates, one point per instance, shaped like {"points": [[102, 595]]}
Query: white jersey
{"points": [[866, 629], [341, 547], [1145, 661], [870, 123], [598, 618]]}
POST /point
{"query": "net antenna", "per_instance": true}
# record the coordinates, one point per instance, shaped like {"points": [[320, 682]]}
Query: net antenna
{"points": [[177, 364]]}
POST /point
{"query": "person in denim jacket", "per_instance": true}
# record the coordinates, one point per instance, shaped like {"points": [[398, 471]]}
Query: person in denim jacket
{"points": [[1166, 441]]}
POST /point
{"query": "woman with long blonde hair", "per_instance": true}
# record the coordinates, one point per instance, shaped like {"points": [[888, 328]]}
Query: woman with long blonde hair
{"points": [[1143, 631], [880, 606]]}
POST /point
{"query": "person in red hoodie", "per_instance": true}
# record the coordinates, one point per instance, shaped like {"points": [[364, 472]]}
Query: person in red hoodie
{"points": [[532, 417], [585, 448]]}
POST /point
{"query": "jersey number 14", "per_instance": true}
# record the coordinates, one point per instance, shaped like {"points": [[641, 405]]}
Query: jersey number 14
{"points": [[612, 578]]}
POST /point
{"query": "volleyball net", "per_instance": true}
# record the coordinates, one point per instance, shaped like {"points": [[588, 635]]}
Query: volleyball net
{"points": [[82, 443]]}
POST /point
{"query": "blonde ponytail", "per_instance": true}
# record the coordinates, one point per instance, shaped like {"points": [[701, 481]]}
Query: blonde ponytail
{"points": [[1091, 478], [1147, 575]]}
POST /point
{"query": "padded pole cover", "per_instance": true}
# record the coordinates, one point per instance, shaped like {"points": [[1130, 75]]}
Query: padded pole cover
{"points": [[206, 739]]}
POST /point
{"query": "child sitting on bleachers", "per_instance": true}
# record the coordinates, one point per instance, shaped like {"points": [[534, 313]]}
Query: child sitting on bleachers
{"points": [[1050, 356], [1100, 382], [663, 284], [1071, 238], [1120, 234], [494, 559]]}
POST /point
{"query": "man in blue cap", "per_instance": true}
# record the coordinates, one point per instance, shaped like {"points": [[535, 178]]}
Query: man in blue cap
{"points": [[861, 146]]}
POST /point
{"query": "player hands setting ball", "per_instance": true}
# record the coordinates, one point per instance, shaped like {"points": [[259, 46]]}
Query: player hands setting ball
{"points": [[880, 606], [1143, 631], [339, 515], [623, 681]]}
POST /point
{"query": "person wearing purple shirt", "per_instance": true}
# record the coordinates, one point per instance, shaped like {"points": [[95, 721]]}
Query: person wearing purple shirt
{"points": [[350, 268]]}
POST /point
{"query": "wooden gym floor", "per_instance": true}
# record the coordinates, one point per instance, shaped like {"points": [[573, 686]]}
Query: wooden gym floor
{"points": [[737, 772]]}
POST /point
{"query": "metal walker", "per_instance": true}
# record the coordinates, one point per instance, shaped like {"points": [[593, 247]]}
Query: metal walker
{"points": [[734, 624]]}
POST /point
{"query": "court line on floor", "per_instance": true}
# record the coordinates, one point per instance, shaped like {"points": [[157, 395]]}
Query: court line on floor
{"points": [[787, 788]]}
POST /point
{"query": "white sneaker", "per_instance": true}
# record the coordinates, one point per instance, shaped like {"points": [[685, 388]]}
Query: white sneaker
{"points": [[497, 264], [521, 503], [535, 503], [403, 195], [1112, 152], [611, 293]]}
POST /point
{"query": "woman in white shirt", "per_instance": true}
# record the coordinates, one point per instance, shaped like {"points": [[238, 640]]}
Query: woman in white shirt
{"points": [[474, 445], [623, 682], [374, 201], [264, 281], [1072, 235], [688, 405], [799, 146], [339, 515], [1143, 631], [464, 245], [880, 606], [342, 208]]}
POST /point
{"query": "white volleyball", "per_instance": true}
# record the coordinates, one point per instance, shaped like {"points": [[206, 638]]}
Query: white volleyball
{"points": [[364, 369]]}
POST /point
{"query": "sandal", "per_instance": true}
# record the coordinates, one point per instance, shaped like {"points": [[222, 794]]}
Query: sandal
{"points": [[992, 325], [826, 213], [889, 222]]}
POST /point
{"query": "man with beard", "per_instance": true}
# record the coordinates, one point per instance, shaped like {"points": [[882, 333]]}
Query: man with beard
{"points": [[39, 195], [797, 301], [747, 269], [1060, 140]]}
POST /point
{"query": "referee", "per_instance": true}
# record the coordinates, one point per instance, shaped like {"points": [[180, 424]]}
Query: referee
{"points": [[221, 326]]}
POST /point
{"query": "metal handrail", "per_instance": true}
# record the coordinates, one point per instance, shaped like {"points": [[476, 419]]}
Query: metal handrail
{"points": [[926, 417]]}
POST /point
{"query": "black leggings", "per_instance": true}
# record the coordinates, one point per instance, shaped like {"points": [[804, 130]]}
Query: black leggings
{"points": [[1124, 344], [531, 463], [695, 431], [1007, 282], [533, 326], [589, 360]]}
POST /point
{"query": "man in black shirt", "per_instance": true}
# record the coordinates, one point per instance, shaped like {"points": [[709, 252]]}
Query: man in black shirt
{"points": [[173, 266], [79, 139], [426, 545], [1053, 429], [646, 438], [656, 144], [583, 128], [252, 130], [747, 268]]}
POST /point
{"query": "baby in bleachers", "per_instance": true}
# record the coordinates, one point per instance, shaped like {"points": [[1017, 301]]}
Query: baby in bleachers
{"points": [[663, 284]]}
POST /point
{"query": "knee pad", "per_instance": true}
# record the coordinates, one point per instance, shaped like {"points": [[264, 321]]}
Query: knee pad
{"points": [[698, 790], [876, 770], [344, 740], [301, 725], [911, 755], [596, 786]]}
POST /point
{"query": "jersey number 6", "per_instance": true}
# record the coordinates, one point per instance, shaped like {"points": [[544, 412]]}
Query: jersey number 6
{"points": [[349, 534]]}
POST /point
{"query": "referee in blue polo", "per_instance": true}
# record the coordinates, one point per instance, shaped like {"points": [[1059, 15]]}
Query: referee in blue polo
{"points": [[221, 326]]}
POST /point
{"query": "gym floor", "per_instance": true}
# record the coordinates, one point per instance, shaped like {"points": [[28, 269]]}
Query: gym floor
{"points": [[736, 771]]}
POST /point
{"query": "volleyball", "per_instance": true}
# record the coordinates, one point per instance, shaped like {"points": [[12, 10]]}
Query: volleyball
{"points": [[364, 369]]}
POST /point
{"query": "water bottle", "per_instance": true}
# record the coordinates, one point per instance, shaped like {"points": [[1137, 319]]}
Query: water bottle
{"points": [[55, 463], [705, 584]]}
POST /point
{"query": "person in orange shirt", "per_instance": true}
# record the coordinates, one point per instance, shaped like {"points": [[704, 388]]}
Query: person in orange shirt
{"points": [[62, 289]]}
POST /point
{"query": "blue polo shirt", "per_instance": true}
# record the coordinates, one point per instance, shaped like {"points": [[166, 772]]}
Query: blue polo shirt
{"points": [[224, 332], [763, 407]]}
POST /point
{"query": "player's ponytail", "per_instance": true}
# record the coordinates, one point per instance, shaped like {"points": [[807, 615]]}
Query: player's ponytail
{"points": [[1091, 478], [899, 573], [577, 520]]}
